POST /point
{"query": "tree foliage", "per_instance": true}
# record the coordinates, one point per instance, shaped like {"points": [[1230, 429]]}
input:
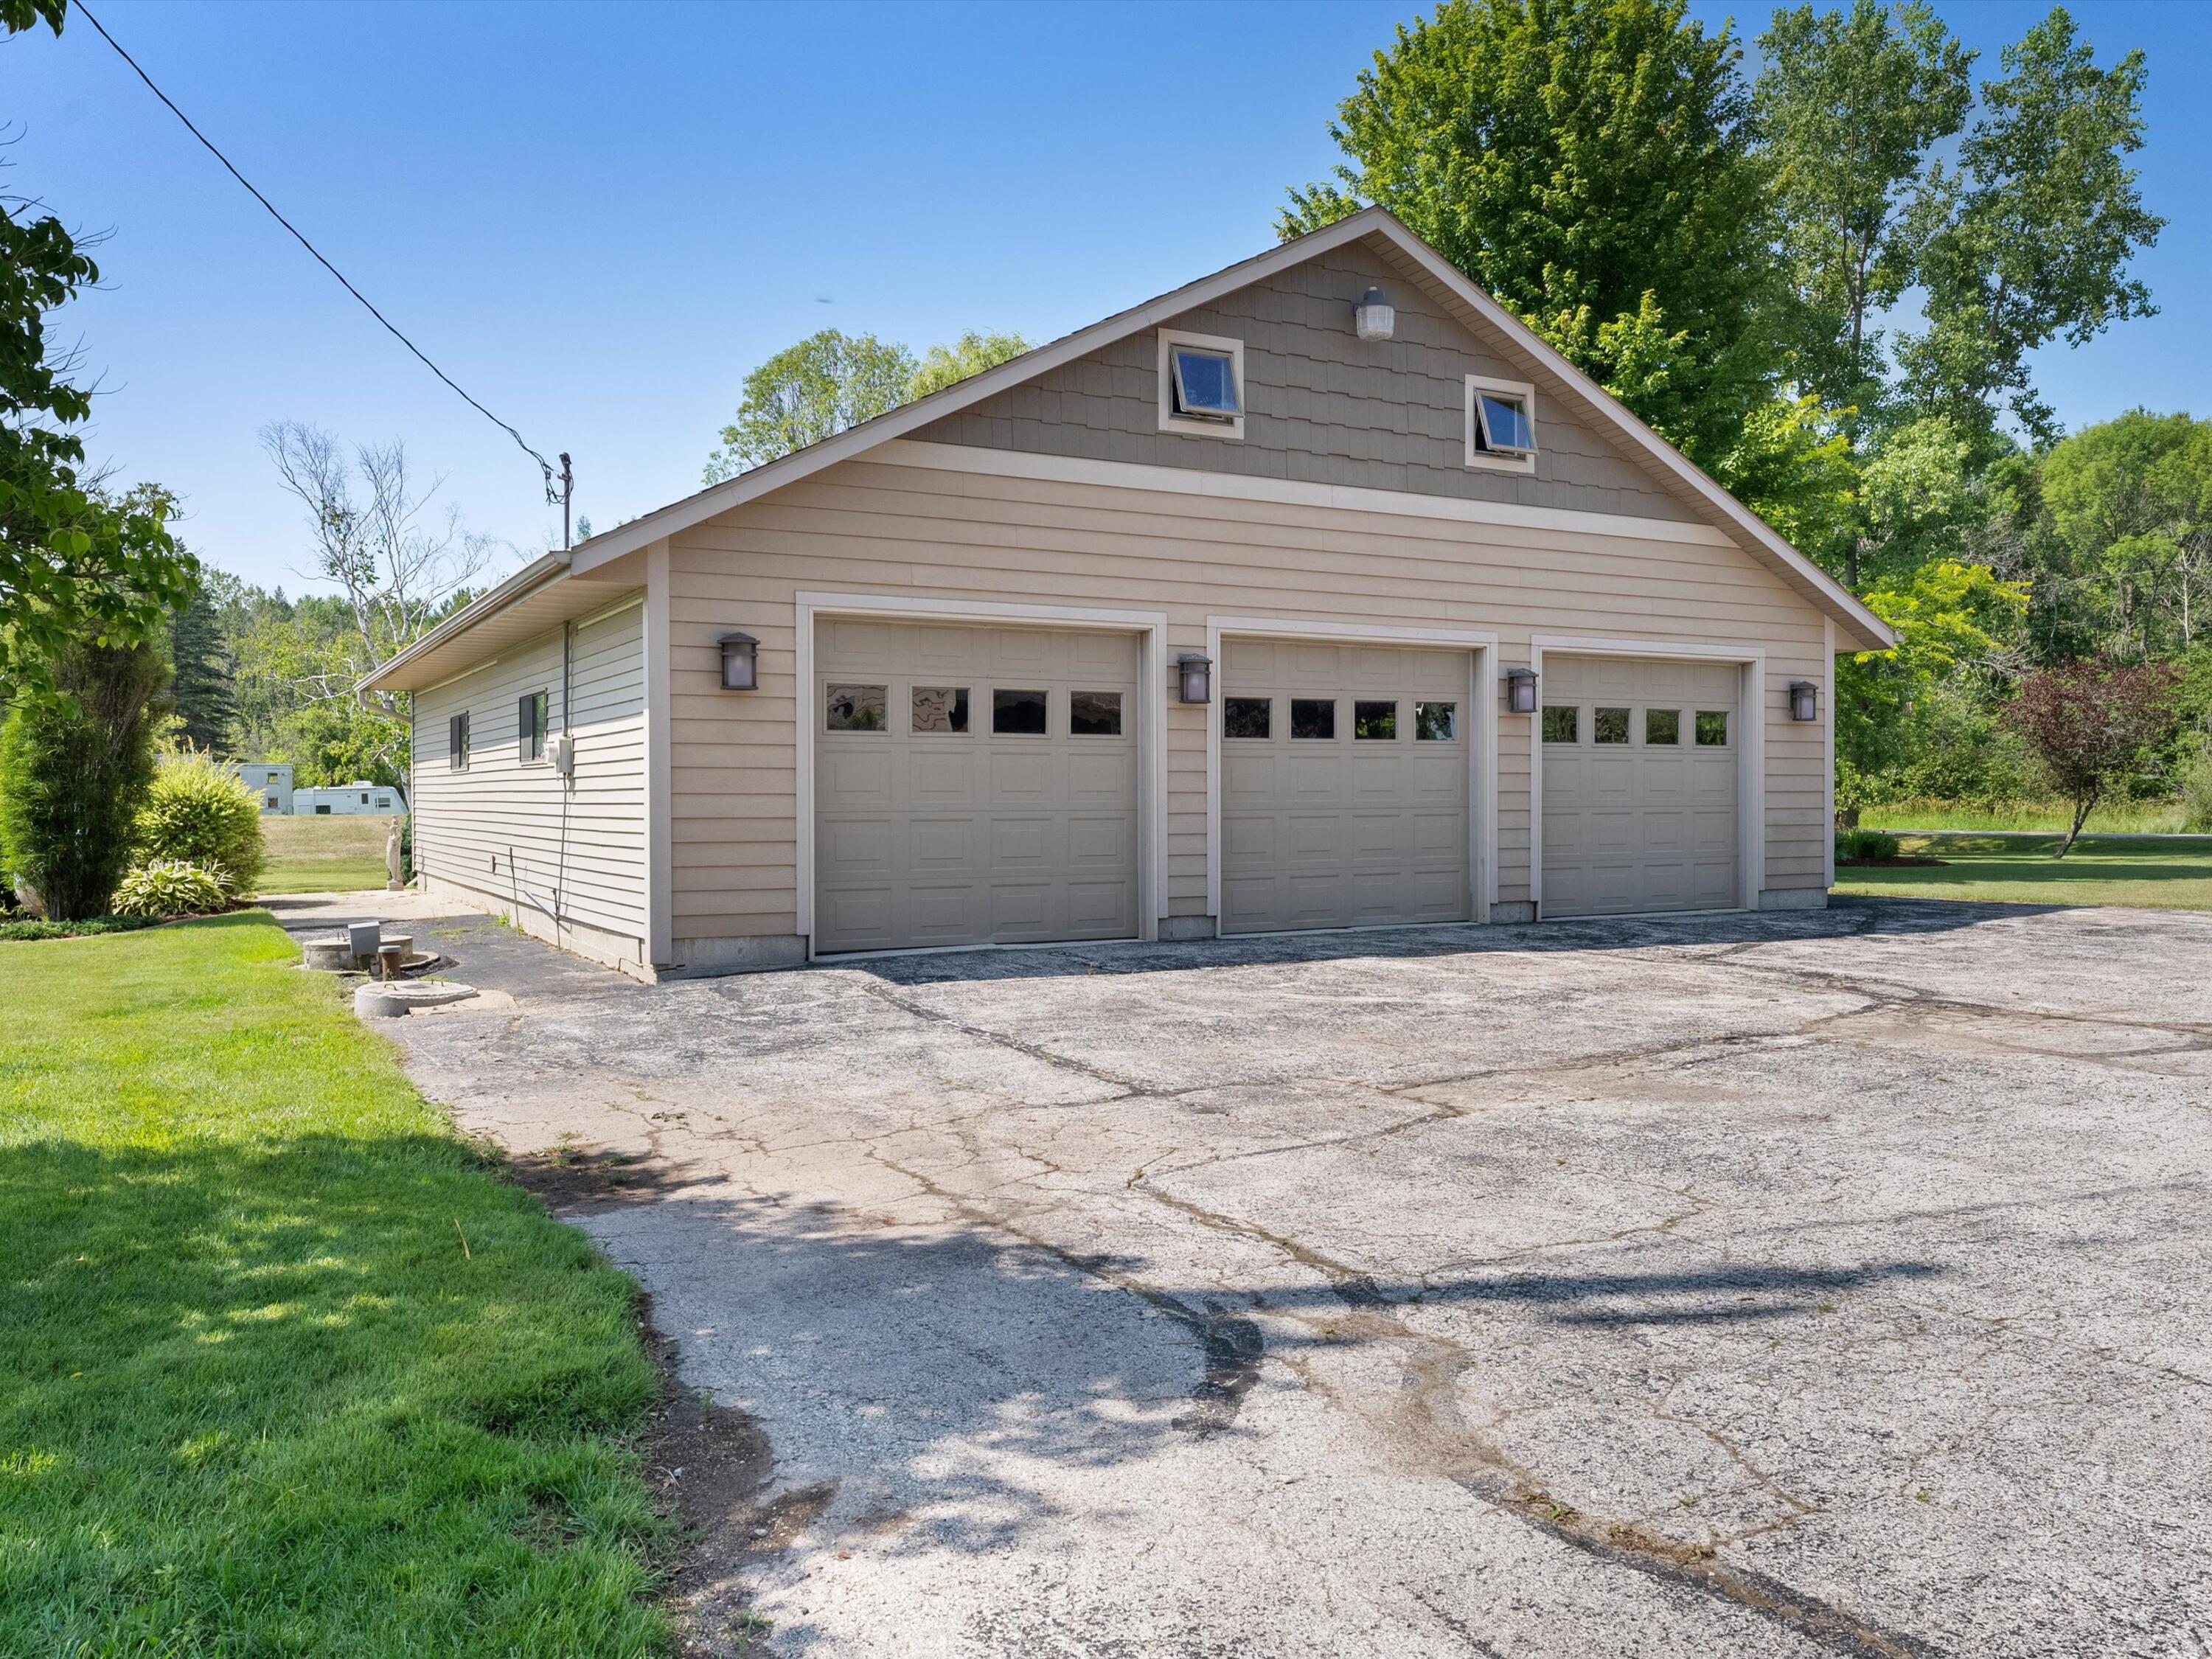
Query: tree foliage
{"points": [[1589, 163], [830, 381], [1850, 102], [76, 562], [809, 391], [2092, 725], [2127, 506], [75, 763], [941, 366], [204, 692], [2028, 238], [1932, 697], [400, 565]]}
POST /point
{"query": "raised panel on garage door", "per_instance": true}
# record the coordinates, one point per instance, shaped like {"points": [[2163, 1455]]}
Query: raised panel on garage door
{"points": [[1640, 785], [973, 785], [1345, 774]]}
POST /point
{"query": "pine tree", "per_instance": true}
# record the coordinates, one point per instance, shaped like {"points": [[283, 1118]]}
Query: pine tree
{"points": [[205, 689]]}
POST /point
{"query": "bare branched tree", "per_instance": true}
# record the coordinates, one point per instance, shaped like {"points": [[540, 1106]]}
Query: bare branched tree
{"points": [[400, 564]]}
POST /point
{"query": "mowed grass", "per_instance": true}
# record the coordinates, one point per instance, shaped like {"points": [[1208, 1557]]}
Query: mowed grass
{"points": [[254, 1397], [2144, 871], [2144, 818], [333, 855]]}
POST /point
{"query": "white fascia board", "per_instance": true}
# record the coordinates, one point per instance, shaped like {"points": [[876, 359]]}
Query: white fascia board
{"points": [[537, 573]]}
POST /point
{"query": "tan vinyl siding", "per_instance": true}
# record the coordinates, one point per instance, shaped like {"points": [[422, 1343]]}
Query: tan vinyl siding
{"points": [[869, 528], [1325, 407], [508, 829]]}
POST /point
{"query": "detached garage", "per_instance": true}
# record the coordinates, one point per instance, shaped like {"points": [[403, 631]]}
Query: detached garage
{"points": [[1319, 594]]}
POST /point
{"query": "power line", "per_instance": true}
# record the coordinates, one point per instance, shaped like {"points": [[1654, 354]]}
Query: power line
{"points": [[545, 465]]}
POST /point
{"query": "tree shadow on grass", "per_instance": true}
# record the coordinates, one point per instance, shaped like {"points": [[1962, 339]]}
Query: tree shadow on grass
{"points": [[320, 1393]]}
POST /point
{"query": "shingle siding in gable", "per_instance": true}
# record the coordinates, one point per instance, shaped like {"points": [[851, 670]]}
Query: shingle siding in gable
{"points": [[1324, 407]]}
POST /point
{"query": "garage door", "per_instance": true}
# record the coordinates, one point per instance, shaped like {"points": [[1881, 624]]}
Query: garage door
{"points": [[973, 785], [1639, 785], [1344, 785]]}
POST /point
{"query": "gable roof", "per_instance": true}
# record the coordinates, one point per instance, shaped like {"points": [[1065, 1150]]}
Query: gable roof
{"points": [[1857, 625]]}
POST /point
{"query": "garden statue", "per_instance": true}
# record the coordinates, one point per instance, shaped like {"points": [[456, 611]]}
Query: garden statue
{"points": [[392, 883]]}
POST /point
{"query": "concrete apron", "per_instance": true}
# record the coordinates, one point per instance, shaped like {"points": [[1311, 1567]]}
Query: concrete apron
{"points": [[1770, 1284]]}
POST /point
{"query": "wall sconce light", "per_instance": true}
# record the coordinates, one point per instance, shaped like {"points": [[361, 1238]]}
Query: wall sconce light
{"points": [[1373, 317], [740, 662], [1804, 701], [1194, 677], [1520, 690]]}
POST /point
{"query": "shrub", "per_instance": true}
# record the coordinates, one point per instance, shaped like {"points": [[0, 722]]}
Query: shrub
{"points": [[171, 887], [75, 764], [1876, 845], [198, 812], [29, 929]]}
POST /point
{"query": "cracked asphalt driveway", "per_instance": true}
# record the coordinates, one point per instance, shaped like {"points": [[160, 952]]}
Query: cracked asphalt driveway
{"points": [[1828, 1283]]}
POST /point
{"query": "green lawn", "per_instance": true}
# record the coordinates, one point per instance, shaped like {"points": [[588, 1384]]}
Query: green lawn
{"points": [[2101, 870], [254, 1397], [323, 854]]}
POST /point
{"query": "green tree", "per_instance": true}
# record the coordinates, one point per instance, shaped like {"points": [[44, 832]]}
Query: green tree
{"points": [[810, 391], [2128, 507], [2028, 239], [76, 563], [1589, 163], [1849, 103], [1953, 622], [203, 691], [75, 759], [971, 354]]}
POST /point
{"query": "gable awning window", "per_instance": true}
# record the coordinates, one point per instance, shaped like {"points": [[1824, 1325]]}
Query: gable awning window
{"points": [[1206, 385], [1506, 428], [1501, 424], [1202, 390]]}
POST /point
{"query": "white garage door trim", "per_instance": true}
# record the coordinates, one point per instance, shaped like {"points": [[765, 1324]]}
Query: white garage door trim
{"points": [[1482, 764], [1150, 627], [1751, 754]]}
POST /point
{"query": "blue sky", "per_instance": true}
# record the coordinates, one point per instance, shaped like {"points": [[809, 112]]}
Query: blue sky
{"points": [[598, 218]]}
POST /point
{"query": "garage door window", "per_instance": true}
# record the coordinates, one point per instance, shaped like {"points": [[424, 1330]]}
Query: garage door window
{"points": [[856, 708], [1017, 713], [1611, 725], [1435, 722], [1313, 717], [941, 708], [1245, 717], [1662, 725], [1375, 721], [1094, 715], [1562, 723], [1712, 728]]}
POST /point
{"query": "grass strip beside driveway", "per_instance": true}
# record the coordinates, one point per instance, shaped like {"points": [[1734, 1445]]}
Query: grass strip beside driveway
{"points": [[255, 1397], [2141, 871]]}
